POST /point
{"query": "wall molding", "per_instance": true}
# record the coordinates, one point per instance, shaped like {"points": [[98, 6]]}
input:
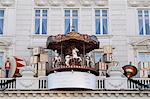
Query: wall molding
{"points": [[43, 93]]}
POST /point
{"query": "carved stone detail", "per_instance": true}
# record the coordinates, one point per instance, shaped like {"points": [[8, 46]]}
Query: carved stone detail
{"points": [[41, 2], [146, 3], [85, 2], [141, 3], [101, 2], [133, 3], [7, 2], [18, 94], [70, 2], [55, 2]]}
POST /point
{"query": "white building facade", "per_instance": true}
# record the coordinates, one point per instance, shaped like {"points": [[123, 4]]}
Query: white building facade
{"points": [[122, 24]]}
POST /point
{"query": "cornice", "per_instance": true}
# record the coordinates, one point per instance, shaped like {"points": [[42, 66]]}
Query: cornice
{"points": [[45, 93], [71, 2]]}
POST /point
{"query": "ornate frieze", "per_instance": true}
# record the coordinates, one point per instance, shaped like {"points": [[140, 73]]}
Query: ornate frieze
{"points": [[101, 2], [139, 3], [90, 94], [7, 2], [41, 2], [85, 2], [55, 2], [71, 2]]}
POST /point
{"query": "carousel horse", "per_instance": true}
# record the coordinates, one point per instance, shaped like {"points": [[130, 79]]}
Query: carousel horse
{"points": [[75, 56], [67, 60], [89, 61], [57, 59]]}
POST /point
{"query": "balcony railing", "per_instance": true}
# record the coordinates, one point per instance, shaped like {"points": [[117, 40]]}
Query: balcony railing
{"points": [[101, 84]]}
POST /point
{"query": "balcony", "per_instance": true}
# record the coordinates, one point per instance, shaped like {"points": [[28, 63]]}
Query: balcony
{"points": [[42, 84]]}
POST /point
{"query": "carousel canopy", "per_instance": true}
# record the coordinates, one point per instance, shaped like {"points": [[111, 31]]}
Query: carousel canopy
{"points": [[65, 42]]}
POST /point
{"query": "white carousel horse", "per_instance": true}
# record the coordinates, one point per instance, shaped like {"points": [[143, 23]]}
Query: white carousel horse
{"points": [[57, 59], [74, 54], [89, 61], [67, 59]]}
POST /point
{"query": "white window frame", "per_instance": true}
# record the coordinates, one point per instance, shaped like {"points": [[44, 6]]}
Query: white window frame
{"points": [[71, 18], [41, 17], [101, 22], [143, 20]]}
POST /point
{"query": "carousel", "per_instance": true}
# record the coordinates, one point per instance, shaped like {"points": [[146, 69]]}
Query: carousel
{"points": [[72, 51], [71, 55]]}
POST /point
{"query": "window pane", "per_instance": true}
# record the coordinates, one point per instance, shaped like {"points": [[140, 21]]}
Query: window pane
{"points": [[1, 59], [97, 21], [37, 12], [37, 26], [44, 12], [97, 12], [141, 26], [67, 12], [75, 13], [140, 13], [147, 29], [44, 26], [67, 25], [1, 25], [1, 13], [98, 57], [104, 13], [105, 29], [75, 25], [144, 57]]}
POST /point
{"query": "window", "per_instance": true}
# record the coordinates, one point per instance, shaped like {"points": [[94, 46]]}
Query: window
{"points": [[97, 56], [144, 24], [71, 21], [41, 21], [101, 21], [1, 59], [1, 21], [144, 57]]}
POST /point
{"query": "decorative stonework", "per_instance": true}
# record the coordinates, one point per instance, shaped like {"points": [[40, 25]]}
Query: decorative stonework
{"points": [[101, 2], [41, 2], [139, 3], [90, 94], [55, 2], [7, 2], [85, 2], [70, 2]]}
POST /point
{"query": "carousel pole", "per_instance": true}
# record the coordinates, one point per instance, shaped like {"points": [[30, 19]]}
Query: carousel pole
{"points": [[83, 53], [61, 51]]}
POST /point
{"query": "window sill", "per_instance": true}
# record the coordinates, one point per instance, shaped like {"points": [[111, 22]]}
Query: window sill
{"points": [[39, 36], [105, 36]]}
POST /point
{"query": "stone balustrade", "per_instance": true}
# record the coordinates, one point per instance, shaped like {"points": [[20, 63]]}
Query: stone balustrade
{"points": [[102, 84]]}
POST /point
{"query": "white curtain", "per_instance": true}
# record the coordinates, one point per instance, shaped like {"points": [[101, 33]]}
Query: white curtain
{"points": [[105, 29], [44, 26], [97, 26], [37, 26], [67, 25]]}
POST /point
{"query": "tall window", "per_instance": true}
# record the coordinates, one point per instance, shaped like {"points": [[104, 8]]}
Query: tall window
{"points": [[1, 21], [41, 21], [101, 21], [71, 21], [144, 22], [1, 59]]}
